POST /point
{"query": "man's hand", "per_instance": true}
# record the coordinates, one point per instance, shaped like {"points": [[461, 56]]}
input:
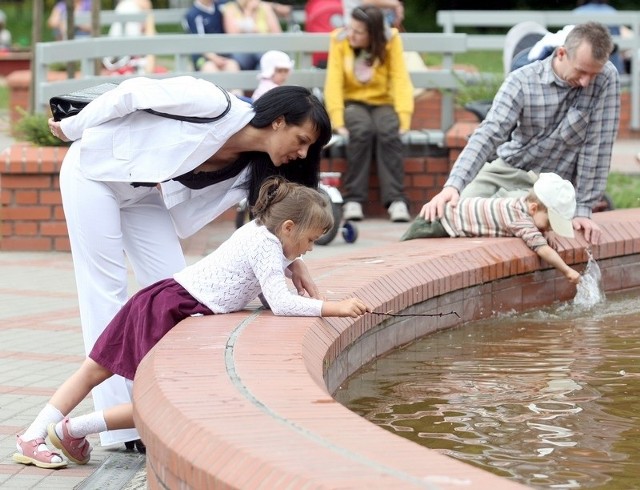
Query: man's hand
{"points": [[591, 230], [302, 279], [435, 208]]}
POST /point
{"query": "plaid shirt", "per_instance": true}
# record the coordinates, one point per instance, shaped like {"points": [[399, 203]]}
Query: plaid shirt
{"points": [[538, 122], [492, 217]]}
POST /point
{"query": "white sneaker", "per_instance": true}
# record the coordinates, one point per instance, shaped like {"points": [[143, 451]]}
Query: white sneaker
{"points": [[398, 212], [352, 211]]}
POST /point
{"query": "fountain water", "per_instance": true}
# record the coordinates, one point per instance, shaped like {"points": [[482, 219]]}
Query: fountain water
{"points": [[589, 291]]}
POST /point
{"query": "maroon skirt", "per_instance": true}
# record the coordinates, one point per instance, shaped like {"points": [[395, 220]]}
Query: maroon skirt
{"points": [[141, 323]]}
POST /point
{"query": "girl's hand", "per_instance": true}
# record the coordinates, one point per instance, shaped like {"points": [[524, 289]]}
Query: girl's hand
{"points": [[56, 130], [352, 307], [302, 279]]}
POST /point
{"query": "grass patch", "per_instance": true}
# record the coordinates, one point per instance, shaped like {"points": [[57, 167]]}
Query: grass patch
{"points": [[4, 97], [624, 190], [484, 61]]}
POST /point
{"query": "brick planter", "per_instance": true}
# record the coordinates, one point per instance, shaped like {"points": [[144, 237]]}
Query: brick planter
{"points": [[32, 217]]}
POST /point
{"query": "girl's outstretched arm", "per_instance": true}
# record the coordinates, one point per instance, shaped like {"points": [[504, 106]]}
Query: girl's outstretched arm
{"points": [[352, 307]]}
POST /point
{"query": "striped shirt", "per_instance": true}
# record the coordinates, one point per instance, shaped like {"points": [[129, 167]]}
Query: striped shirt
{"points": [[492, 217], [538, 122]]}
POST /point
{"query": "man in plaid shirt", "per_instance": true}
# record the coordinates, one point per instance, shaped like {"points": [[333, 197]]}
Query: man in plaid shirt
{"points": [[556, 115]]}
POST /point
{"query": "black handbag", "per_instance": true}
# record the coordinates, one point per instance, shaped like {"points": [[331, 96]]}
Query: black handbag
{"points": [[63, 106]]}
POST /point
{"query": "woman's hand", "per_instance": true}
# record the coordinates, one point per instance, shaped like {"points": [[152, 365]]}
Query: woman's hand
{"points": [[56, 130], [302, 279]]}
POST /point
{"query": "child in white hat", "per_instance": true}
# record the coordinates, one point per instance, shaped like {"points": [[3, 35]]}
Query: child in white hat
{"points": [[275, 67], [550, 205]]}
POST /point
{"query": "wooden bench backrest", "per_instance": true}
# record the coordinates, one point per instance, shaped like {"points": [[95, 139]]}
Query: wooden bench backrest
{"points": [[300, 47]]}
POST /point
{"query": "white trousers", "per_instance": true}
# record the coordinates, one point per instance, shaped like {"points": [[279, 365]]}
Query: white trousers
{"points": [[106, 221]]}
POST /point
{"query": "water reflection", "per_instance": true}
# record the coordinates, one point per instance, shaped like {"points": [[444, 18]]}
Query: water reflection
{"points": [[548, 398]]}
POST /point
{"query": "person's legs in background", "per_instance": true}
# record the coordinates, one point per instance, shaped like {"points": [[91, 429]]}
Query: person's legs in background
{"points": [[358, 120], [215, 63], [247, 61], [390, 162]]}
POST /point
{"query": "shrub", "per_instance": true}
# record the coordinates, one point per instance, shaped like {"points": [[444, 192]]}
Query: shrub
{"points": [[34, 129], [475, 88]]}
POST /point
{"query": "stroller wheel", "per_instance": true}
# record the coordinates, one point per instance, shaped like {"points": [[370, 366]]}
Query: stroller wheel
{"points": [[349, 232], [336, 209]]}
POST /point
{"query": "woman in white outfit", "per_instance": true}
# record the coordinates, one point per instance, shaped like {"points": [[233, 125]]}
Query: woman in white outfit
{"points": [[114, 206]]}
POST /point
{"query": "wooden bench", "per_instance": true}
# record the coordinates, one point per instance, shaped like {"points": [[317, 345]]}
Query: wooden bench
{"points": [[450, 20], [161, 17], [165, 17], [180, 47]]}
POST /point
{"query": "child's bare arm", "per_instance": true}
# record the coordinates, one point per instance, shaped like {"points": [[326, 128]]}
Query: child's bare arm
{"points": [[352, 307], [549, 255]]}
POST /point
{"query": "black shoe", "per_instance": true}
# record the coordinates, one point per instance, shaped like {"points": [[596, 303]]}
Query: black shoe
{"points": [[136, 445]]}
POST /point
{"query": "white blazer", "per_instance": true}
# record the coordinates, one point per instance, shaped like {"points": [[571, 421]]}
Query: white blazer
{"points": [[121, 143]]}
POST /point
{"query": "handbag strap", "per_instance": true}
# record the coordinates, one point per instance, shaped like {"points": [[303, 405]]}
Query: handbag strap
{"points": [[195, 119]]}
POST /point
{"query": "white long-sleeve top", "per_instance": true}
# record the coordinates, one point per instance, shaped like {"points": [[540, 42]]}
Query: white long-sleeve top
{"points": [[251, 261], [121, 143]]}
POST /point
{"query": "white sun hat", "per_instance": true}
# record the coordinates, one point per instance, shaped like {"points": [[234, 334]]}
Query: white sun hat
{"points": [[274, 59], [559, 196]]}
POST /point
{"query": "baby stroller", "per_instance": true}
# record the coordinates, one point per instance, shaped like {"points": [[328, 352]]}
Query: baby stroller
{"points": [[329, 183]]}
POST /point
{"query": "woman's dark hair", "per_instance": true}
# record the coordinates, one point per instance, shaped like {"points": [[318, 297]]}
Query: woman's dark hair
{"points": [[297, 105], [373, 18]]}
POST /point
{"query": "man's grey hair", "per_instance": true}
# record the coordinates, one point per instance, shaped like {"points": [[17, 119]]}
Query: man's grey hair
{"points": [[594, 33]]}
